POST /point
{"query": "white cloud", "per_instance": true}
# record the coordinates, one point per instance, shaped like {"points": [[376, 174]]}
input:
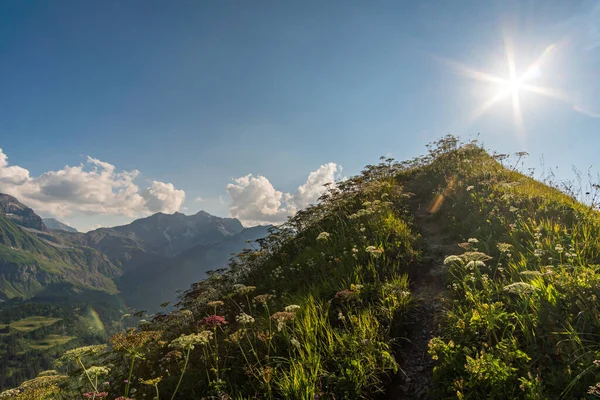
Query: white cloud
{"points": [[198, 199], [95, 187], [163, 197], [255, 201]]}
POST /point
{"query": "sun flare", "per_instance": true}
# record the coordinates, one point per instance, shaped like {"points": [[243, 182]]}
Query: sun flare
{"points": [[511, 86]]}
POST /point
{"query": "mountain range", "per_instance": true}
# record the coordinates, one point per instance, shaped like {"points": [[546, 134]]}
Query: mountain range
{"points": [[144, 262]]}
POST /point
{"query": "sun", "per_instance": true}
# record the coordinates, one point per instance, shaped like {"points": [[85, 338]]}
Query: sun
{"points": [[512, 85]]}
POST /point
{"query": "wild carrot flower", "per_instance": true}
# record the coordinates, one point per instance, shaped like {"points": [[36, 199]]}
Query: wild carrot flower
{"points": [[236, 336], [98, 371], [243, 289], [520, 288], [323, 236], [374, 251], [452, 260], [151, 382], [473, 240], [292, 308], [282, 317], [216, 303], [189, 341], [262, 298], [244, 319], [503, 247], [79, 352], [469, 188]]}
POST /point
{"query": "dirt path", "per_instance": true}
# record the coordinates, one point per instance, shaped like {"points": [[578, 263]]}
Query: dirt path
{"points": [[414, 381]]}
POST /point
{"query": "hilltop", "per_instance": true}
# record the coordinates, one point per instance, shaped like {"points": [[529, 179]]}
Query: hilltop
{"points": [[446, 276]]}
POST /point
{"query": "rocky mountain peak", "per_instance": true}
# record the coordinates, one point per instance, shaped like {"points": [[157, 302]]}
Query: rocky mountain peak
{"points": [[19, 213]]}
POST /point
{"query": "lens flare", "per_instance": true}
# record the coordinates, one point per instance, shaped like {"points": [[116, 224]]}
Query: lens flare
{"points": [[511, 86]]}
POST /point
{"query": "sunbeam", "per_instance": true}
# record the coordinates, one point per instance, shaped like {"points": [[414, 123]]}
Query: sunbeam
{"points": [[512, 85]]}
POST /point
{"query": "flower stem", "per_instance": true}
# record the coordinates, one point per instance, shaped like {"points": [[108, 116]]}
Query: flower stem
{"points": [[129, 377], [88, 376], [187, 358]]}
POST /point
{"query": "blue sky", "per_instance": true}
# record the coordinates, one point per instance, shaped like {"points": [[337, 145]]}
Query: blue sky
{"points": [[197, 94]]}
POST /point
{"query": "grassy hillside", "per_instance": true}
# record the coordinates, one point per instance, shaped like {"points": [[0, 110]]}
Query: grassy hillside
{"points": [[446, 276], [29, 264]]}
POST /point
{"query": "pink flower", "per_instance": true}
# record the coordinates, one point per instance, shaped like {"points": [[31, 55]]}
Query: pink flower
{"points": [[95, 395], [214, 320]]}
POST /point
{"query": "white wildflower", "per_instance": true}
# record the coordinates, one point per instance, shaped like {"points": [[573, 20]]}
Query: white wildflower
{"points": [[323, 236], [292, 308], [244, 319]]}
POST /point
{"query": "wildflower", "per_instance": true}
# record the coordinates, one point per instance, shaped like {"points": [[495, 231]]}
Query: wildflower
{"points": [[244, 319], [503, 247], [345, 294], [475, 264], [282, 317], [292, 308], [323, 236], [473, 241], [354, 250], [559, 248], [469, 188], [216, 303], [79, 352], [243, 289], [236, 336], [213, 321], [262, 298], [151, 382], [537, 253], [98, 371], [171, 355], [95, 395], [123, 398], [520, 288], [132, 341], [295, 342], [452, 259], [264, 336], [375, 251], [341, 316], [188, 342]]}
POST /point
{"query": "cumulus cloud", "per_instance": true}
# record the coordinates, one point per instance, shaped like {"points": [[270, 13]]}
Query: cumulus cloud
{"points": [[163, 197], [93, 187], [198, 199], [255, 201]]}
